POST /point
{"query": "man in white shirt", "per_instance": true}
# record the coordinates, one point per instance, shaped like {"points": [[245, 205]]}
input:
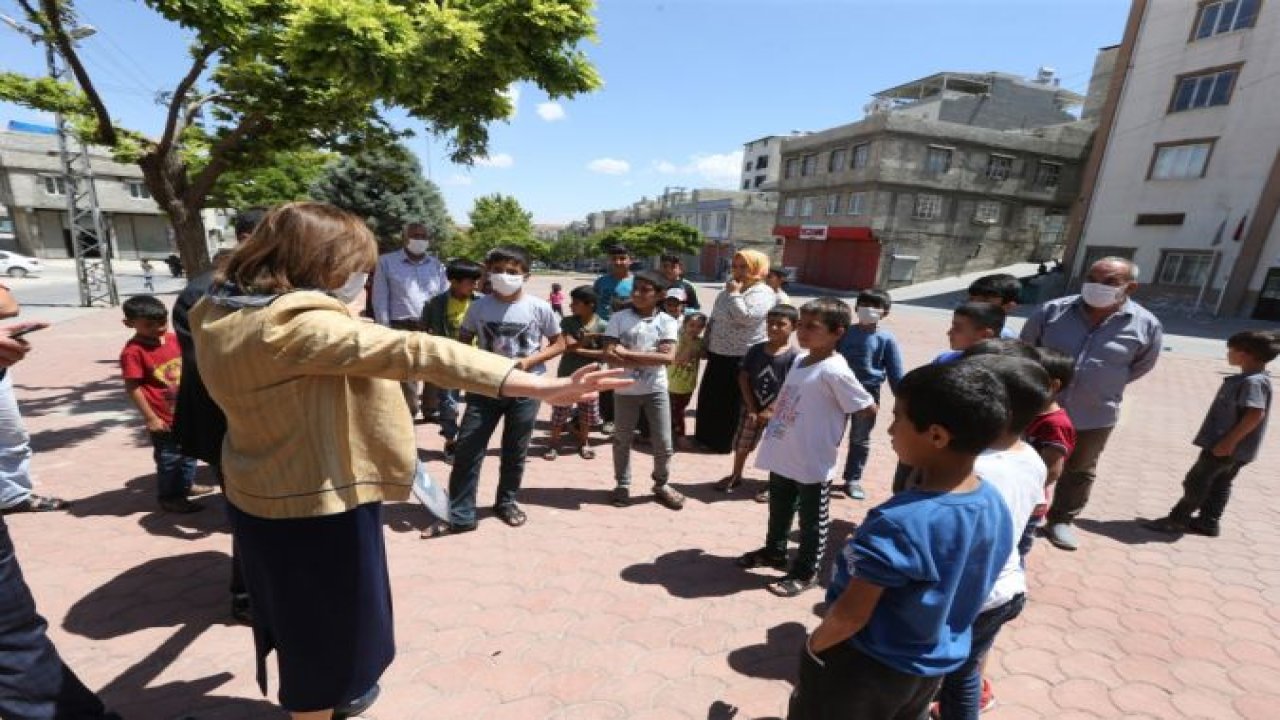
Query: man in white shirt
{"points": [[402, 284]]}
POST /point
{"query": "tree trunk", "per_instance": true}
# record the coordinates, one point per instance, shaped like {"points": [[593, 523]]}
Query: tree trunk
{"points": [[166, 176]]}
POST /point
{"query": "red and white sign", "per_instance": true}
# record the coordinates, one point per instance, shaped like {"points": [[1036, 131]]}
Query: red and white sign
{"points": [[813, 232]]}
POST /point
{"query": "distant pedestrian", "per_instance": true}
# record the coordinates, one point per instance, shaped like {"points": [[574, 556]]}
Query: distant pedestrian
{"points": [[777, 279], [148, 276], [556, 298], [1114, 341], [1229, 437], [673, 269]]}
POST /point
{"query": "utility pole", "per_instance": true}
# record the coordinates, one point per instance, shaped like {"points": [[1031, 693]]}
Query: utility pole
{"points": [[89, 243]]}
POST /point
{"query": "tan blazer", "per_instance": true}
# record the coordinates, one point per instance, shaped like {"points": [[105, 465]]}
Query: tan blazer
{"points": [[316, 420]]}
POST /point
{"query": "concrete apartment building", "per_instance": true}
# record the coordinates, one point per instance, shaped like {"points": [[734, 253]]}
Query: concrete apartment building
{"points": [[948, 174], [33, 199], [761, 163], [1187, 165]]}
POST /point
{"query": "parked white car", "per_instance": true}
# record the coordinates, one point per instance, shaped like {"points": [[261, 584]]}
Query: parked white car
{"points": [[18, 266]]}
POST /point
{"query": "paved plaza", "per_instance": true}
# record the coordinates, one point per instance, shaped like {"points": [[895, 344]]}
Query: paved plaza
{"points": [[592, 611]]}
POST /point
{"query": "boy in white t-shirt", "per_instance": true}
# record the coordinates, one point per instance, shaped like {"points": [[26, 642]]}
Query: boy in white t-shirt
{"points": [[801, 442], [643, 338], [1017, 472]]}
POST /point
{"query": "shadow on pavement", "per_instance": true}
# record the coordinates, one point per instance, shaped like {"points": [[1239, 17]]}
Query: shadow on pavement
{"points": [[572, 498], [1129, 532], [183, 591], [138, 496], [777, 658], [695, 574]]}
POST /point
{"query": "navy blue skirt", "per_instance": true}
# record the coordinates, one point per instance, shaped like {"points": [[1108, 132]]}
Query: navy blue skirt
{"points": [[322, 600]]}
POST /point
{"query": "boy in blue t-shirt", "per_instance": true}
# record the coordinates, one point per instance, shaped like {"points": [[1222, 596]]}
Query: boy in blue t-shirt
{"points": [[911, 581], [874, 356]]}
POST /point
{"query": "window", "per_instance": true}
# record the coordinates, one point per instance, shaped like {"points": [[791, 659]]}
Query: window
{"points": [[861, 153], [6, 225], [759, 180], [789, 207], [928, 207], [987, 212], [791, 168], [999, 167], [722, 223], [746, 184], [1216, 18], [807, 205], [762, 162], [1188, 269], [1204, 89], [937, 160], [1160, 219], [747, 167], [54, 184], [1048, 175], [835, 163], [809, 165], [857, 201], [833, 205], [1180, 161]]}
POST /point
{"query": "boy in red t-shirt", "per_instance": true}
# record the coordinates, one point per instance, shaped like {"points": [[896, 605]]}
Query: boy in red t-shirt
{"points": [[151, 364], [1052, 435]]}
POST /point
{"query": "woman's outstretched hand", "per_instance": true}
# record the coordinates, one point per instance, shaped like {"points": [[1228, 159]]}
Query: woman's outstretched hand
{"points": [[582, 385]]}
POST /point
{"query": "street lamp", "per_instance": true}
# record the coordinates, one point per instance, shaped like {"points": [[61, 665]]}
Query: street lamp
{"points": [[89, 242]]}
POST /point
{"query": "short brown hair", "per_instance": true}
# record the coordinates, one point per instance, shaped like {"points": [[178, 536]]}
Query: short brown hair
{"points": [[302, 246]]}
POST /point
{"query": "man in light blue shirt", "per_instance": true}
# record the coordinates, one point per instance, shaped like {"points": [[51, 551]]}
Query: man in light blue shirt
{"points": [[1114, 341], [403, 283]]}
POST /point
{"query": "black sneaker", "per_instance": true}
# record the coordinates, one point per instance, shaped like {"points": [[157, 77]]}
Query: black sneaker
{"points": [[1202, 526], [180, 505], [1170, 525], [621, 496], [355, 707]]}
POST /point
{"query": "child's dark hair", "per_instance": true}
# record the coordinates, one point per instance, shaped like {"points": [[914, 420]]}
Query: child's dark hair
{"points": [[695, 317], [1026, 383], [983, 314], [778, 272], [783, 310], [964, 398], [1002, 285], [463, 269], [832, 311], [1059, 365], [144, 307], [508, 253], [615, 250], [654, 278], [584, 294], [1261, 345], [876, 298], [1007, 347], [671, 259], [555, 287]]}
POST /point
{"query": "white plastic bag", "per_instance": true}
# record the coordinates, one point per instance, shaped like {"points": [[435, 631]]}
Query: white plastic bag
{"points": [[430, 494]]}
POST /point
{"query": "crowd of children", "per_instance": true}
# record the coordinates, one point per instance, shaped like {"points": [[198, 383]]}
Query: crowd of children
{"points": [[921, 589]]}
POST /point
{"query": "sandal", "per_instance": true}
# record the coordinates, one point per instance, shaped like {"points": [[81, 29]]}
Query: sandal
{"points": [[550, 454], [511, 514], [37, 503], [791, 586], [668, 497], [587, 453], [763, 558], [728, 483]]}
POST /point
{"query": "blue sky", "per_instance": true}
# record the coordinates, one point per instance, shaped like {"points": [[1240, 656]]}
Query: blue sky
{"points": [[686, 83]]}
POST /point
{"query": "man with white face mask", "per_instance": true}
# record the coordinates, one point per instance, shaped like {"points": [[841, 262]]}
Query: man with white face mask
{"points": [[1114, 341], [402, 284]]}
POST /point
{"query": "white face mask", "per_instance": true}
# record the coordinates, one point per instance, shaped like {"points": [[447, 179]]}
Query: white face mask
{"points": [[350, 290], [869, 315], [505, 284], [1101, 296], [418, 246]]}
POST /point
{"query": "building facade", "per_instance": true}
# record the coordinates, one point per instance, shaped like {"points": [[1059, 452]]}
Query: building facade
{"points": [[33, 197], [760, 163], [1186, 176], [946, 175], [730, 221]]}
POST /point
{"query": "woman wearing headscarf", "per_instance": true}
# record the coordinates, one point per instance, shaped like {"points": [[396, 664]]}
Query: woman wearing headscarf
{"points": [[737, 323], [317, 438]]}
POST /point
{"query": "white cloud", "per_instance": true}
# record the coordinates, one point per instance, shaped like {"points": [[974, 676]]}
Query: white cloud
{"points": [[551, 111], [716, 170], [458, 179], [513, 94], [501, 160], [609, 166]]}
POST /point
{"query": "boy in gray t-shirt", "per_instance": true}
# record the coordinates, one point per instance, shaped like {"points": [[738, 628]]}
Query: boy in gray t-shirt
{"points": [[1229, 438]]}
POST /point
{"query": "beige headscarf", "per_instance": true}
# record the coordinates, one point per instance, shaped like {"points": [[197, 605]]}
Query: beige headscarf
{"points": [[757, 265]]}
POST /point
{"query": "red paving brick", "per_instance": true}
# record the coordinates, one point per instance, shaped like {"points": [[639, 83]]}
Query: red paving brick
{"points": [[596, 612]]}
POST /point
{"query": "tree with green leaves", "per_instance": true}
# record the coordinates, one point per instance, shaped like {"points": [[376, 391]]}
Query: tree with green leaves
{"points": [[650, 239], [272, 76], [288, 177], [384, 185], [500, 220]]}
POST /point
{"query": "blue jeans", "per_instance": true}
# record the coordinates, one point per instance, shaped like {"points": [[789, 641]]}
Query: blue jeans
{"points": [[478, 423], [860, 426], [961, 691], [174, 471], [15, 448], [447, 407]]}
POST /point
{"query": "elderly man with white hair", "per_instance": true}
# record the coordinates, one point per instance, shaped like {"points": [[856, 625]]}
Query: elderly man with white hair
{"points": [[1114, 341]]}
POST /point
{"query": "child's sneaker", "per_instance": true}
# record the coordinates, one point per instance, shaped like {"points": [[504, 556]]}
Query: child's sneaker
{"points": [[621, 496], [668, 497], [988, 698], [1203, 526]]}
